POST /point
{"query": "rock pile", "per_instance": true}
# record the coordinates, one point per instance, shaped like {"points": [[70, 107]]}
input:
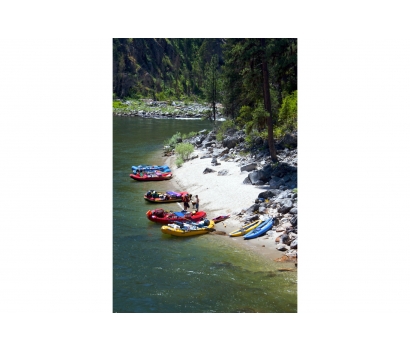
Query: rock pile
{"points": [[279, 180]]}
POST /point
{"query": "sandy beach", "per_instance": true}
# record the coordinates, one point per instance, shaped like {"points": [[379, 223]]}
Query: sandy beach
{"points": [[222, 195]]}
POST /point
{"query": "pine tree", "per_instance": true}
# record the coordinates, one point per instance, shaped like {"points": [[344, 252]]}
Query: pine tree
{"points": [[212, 83]]}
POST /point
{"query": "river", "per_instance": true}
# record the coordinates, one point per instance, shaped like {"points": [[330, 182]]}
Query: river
{"points": [[157, 273]]}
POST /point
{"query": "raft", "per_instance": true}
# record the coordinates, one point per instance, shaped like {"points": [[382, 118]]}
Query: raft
{"points": [[161, 197], [188, 229], [151, 176], [163, 168], [168, 217]]}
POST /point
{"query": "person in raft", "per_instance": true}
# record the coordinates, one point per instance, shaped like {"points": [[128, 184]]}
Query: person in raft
{"points": [[195, 203]]}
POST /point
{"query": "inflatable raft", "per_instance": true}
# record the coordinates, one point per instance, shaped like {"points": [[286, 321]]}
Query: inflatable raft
{"points": [[189, 228], [161, 197], [168, 217], [151, 176]]}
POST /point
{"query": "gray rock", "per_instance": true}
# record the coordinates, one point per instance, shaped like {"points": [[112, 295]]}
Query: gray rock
{"points": [[287, 204], [293, 211], [230, 142], [208, 170], [294, 244], [294, 221], [249, 167], [223, 172], [246, 181], [267, 194], [284, 239], [251, 217]]}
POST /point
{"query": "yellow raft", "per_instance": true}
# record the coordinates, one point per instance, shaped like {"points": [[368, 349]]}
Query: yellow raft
{"points": [[245, 229], [188, 229]]}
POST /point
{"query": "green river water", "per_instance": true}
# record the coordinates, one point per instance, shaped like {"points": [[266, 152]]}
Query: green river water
{"points": [[158, 273]]}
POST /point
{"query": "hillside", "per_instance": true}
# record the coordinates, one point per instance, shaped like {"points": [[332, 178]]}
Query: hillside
{"points": [[158, 68]]}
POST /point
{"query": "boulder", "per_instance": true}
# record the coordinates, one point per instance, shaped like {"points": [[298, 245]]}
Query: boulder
{"points": [[287, 204], [294, 221], [294, 244], [246, 181], [257, 175], [249, 167], [230, 142], [208, 170], [289, 140], [268, 194], [284, 239], [282, 247], [294, 211], [251, 217], [198, 140], [262, 209]]}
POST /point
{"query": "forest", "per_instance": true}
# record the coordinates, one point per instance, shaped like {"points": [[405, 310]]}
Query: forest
{"points": [[255, 80]]}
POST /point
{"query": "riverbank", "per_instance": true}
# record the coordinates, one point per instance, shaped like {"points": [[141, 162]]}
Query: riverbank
{"points": [[222, 195]]}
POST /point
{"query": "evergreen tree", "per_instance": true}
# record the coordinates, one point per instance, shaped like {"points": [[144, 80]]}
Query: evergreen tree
{"points": [[212, 85]]}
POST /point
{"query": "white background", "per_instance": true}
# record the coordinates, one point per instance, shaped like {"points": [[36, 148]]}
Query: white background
{"points": [[56, 174]]}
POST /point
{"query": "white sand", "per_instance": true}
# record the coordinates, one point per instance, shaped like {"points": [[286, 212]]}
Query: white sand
{"points": [[222, 195]]}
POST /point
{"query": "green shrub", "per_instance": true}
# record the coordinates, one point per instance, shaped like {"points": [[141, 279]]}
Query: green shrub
{"points": [[184, 150], [173, 140], [188, 136], [252, 118], [179, 161], [288, 113], [118, 104], [227, 124]]}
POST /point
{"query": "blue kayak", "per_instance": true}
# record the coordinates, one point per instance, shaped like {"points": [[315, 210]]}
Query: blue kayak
{"points": [[260, 230]]}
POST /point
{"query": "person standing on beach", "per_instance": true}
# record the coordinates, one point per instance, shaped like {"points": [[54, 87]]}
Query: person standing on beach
{"points": [[185, 199], [196, 203]]}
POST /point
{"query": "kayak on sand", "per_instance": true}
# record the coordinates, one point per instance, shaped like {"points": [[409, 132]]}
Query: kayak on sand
{"points": [[260, 230]]}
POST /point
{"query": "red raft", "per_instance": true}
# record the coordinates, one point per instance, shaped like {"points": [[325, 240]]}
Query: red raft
{"points": [[157, 176], [168, 217]]}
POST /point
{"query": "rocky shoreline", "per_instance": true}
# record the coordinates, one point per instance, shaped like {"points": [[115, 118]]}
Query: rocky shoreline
{"points": [[277, 183], [166, 109]]}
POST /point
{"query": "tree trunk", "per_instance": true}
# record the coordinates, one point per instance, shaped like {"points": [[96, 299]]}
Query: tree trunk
{"points": [[268, 107]]}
